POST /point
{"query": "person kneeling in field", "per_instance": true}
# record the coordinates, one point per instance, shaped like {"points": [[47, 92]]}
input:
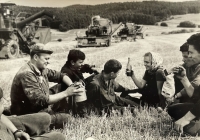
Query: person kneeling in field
{"points": [[192, 66], [30, 91], [101, 90], [187, 113], [74, 68], [151, 85], [26, 127]]}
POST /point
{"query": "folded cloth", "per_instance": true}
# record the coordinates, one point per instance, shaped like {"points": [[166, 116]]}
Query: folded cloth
{"points": [[135, 95]]}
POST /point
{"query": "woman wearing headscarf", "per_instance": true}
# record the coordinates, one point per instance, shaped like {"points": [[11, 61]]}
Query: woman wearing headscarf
{"points": [[150, 86]]}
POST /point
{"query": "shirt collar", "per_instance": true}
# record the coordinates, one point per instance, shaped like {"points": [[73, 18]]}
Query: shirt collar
{"points": [[34, 68], [106, 84]]}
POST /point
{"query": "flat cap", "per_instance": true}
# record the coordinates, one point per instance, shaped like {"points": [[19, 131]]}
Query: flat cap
{"points": [[39, 48]]}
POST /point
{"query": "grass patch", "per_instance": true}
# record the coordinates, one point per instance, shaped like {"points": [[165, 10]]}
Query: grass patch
{"points": [[145, 124]]}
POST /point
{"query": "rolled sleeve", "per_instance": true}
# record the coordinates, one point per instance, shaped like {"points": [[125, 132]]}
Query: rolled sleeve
{"points": [[34, 92], [54, 76], [196, 82]]}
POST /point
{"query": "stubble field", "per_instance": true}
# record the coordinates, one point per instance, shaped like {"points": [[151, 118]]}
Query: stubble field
{"points": [[147, 123]]}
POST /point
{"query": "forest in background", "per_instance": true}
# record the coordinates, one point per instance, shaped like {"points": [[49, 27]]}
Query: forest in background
{"points": [[146, 12]]}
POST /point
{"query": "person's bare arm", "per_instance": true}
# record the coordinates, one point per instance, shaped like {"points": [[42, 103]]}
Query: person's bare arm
{"points": [[11, 126], [67, 80], [139, 83], [188, 87], [159, 87], [72, 90]]}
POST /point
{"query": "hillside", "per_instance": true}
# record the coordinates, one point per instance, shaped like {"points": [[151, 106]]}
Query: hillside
{"points": [[146, 12]]}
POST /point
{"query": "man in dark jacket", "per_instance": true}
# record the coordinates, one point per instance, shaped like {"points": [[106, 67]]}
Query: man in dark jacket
{"points": [[101, 90], [30, 88], [74, 69]]}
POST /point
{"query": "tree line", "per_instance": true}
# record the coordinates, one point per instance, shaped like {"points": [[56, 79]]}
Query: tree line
{"points": [[146, 12]]}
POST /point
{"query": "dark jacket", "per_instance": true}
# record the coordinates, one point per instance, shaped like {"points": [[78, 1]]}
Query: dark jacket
{"points": [[30, 89], [103, 96]]}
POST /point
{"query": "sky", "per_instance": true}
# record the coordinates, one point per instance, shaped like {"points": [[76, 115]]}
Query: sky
{"points": [[64, 3]]}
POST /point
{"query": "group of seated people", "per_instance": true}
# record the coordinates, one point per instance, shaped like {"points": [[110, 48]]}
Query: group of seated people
{"points": [[31, 96]]}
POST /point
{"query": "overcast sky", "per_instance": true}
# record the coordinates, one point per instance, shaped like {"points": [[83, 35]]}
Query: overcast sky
{"points": [[63, 3]]}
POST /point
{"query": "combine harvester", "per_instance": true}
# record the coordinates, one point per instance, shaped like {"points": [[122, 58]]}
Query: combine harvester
{"points": [[18, 33], [129, 32], [98, 34]]}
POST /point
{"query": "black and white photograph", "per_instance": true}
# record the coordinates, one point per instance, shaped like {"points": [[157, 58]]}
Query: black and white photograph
{"points": [[100, 70]]}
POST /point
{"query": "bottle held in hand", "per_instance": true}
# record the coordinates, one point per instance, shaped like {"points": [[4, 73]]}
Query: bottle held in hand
{"points": [[129, 68], [178, 71]]}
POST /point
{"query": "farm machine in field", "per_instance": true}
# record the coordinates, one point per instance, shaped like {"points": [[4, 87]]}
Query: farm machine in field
{"points": [[129, 32], [17, 34], [98, 33]]}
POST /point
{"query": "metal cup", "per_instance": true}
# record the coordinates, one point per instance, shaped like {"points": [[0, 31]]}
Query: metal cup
{"points": [[82, 95]]}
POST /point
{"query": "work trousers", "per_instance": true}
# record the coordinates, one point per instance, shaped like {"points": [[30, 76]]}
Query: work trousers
{"points": [[148, 98], [36, 125]]}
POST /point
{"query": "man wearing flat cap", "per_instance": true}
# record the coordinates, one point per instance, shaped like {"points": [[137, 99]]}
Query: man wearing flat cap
{"points": [[26, 127], [30, 88]]}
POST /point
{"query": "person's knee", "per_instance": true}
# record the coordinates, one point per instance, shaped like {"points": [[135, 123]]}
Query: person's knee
{"points": [[57, 136], [59, 119], [50, 136], [45, 117]]}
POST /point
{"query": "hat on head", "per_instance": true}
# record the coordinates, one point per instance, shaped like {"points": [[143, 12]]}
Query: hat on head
{"points": [[39, 48], [1, 93]]}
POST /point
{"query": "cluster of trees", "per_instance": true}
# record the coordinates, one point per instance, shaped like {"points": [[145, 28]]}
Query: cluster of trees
{"points": [[146, 12], [187, 24], [163, 24]]}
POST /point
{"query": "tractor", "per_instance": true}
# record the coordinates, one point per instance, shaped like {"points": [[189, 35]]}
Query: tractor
{"points": [[17, 34], [129, 32], [98, 34]]}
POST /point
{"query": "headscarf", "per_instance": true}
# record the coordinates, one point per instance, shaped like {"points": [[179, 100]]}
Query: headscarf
{"points": [[156, 60]]}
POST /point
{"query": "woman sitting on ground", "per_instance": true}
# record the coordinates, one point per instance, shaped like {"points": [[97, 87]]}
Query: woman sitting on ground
{"points": [[151, 85]]}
